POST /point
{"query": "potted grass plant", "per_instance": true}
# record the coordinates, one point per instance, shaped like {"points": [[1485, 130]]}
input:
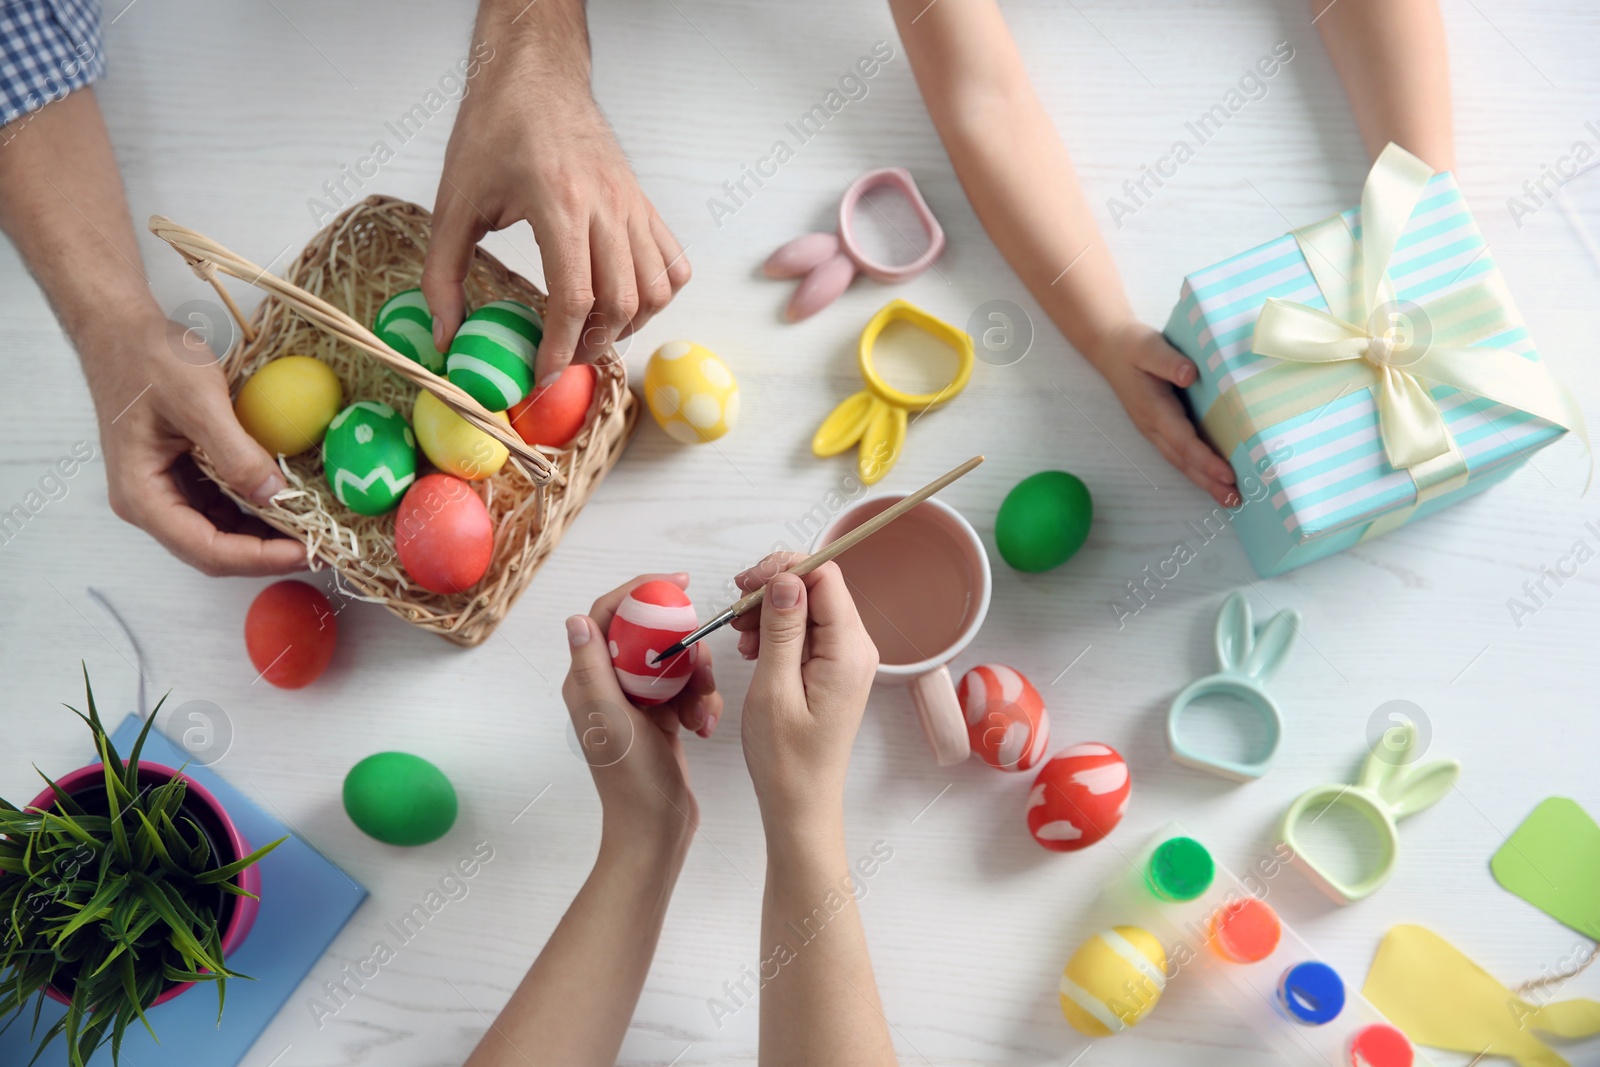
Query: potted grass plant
{"points": [[122, 885]]}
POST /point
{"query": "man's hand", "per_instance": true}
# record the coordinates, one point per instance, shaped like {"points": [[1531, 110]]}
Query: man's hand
{"points": [[157, 390], [153, 408], [530, 144]]}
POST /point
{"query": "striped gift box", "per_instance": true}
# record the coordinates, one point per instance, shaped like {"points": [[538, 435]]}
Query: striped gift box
{"points": [[1322, 475]]}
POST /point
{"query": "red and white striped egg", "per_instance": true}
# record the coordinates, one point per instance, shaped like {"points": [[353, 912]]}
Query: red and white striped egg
{"points": [[1079, 797], [1006, 718], [653, 616]]}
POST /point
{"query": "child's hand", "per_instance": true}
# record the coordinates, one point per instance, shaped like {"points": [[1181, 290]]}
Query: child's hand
{"points": [[634, 753], [814, 668], [1144, 370]]}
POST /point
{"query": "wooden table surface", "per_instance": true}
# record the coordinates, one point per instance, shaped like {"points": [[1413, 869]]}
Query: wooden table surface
{"points": [[230, 118]]}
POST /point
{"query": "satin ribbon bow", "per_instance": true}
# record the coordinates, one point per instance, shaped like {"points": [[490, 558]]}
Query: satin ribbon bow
{"points": [[1403, 346]]}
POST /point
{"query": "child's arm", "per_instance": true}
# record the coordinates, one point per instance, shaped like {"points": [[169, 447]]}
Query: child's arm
{"points": [[1020, 180], [574, 1006], [814, 668], [1391, 57]]}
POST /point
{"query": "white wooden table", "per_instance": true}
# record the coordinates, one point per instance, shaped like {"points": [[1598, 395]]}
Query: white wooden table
{"points": [[229, 117]]}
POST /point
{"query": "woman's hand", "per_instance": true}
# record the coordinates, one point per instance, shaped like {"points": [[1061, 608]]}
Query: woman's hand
{"points": [[635, 754], [814, 668], [1145, 372]]}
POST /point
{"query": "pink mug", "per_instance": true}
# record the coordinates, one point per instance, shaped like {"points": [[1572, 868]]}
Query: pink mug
{"points": [[921, 586]]}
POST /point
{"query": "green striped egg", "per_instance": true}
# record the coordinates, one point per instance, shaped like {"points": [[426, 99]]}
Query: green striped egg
{"points": [[405, 324], [369, 457], [491, 357]]}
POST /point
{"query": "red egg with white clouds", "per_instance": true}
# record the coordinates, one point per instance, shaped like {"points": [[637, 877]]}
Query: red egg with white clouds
{"points": [[654, 616], [1078, 797], [1006, 719]]}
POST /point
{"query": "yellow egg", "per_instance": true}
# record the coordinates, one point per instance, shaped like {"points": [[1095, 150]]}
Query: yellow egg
{"points": [[691, 392], [1113, 981], [287, 404], [453, 444]]}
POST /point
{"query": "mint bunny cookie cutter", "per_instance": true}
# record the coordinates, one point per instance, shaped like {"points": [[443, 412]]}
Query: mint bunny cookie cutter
{"points": [[1246, 658], [1392, 786]]}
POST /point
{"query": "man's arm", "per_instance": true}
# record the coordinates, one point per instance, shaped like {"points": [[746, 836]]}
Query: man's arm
{"points": [[157, 392], [531, 144], [1020, 180], [1392, 58]]}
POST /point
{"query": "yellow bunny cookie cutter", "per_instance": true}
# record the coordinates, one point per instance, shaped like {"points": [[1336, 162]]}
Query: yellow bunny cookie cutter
{"points": [[877, 417]]}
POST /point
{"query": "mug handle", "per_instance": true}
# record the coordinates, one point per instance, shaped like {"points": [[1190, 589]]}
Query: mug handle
{"points": [[934, 696]]}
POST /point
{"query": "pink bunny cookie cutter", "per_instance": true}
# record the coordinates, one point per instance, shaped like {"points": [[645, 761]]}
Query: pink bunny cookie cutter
{"points": [[827, 263]]}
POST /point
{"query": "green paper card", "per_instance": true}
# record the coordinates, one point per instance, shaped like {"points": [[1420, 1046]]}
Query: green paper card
{"points": [[1553, 862]]}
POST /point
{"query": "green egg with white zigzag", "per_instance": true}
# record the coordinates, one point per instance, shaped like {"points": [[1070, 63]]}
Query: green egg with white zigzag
{"points": [[369, 457], [405, 324], [491, 357]]}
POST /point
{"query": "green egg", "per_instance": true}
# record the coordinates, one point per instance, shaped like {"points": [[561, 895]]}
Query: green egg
{"points": [[492, 355], [369, 457], [400, 799], [405, 324], [1043, 521]]}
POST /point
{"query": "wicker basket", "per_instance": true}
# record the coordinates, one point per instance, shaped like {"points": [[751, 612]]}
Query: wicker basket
{"points": [[368, 253]]}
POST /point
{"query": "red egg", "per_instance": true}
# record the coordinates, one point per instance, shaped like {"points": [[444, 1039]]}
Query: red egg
{"points": [[290, 632], [653, 616], [1006, 719], [443, 534], [552, 416], [1078, 798]]}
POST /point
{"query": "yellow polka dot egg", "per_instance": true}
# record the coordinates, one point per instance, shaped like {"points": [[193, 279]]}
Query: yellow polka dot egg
{"points": [[1113, 980], [691, 392]]}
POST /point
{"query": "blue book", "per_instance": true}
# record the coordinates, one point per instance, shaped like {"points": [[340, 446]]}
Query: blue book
{"points": [[305, 902]]}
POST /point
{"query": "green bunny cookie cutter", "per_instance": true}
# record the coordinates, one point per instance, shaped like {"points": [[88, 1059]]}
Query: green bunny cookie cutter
{"points": [[1247, 658], [1392, 786]]}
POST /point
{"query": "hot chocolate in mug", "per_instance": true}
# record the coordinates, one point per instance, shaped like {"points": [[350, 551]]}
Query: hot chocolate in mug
{"points": [[921, 586]]}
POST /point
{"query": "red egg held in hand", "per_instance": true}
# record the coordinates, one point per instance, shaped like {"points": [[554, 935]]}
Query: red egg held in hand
{"points": [[443, 534], [653, 616], [552, 416], [290, 633], [1078, 798]]}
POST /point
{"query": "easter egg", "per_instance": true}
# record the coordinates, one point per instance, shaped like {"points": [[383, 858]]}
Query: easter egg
{"points": [[369, 457], [405, 324], [452, 443], [1006, 719], [1113, 981], [287, 404], [653, 616], [443, 534], [1043, 521], [1078, 797], [552, 416], [491, 357], [691, 392], [1381, 1045], [290, 632], [400, 799], [1245, 930]]}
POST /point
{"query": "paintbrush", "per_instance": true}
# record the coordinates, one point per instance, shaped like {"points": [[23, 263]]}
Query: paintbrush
{"points": [[839, 544]]}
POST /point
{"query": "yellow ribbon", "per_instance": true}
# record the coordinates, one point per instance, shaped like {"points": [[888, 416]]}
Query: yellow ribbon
{"points": [[1393, 347]]}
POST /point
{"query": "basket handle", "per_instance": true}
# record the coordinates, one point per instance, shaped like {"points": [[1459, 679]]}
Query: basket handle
{"points": [[205, 257]]}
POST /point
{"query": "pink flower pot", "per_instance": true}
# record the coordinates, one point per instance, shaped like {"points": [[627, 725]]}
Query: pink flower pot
{"points": [[239, 913]]}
